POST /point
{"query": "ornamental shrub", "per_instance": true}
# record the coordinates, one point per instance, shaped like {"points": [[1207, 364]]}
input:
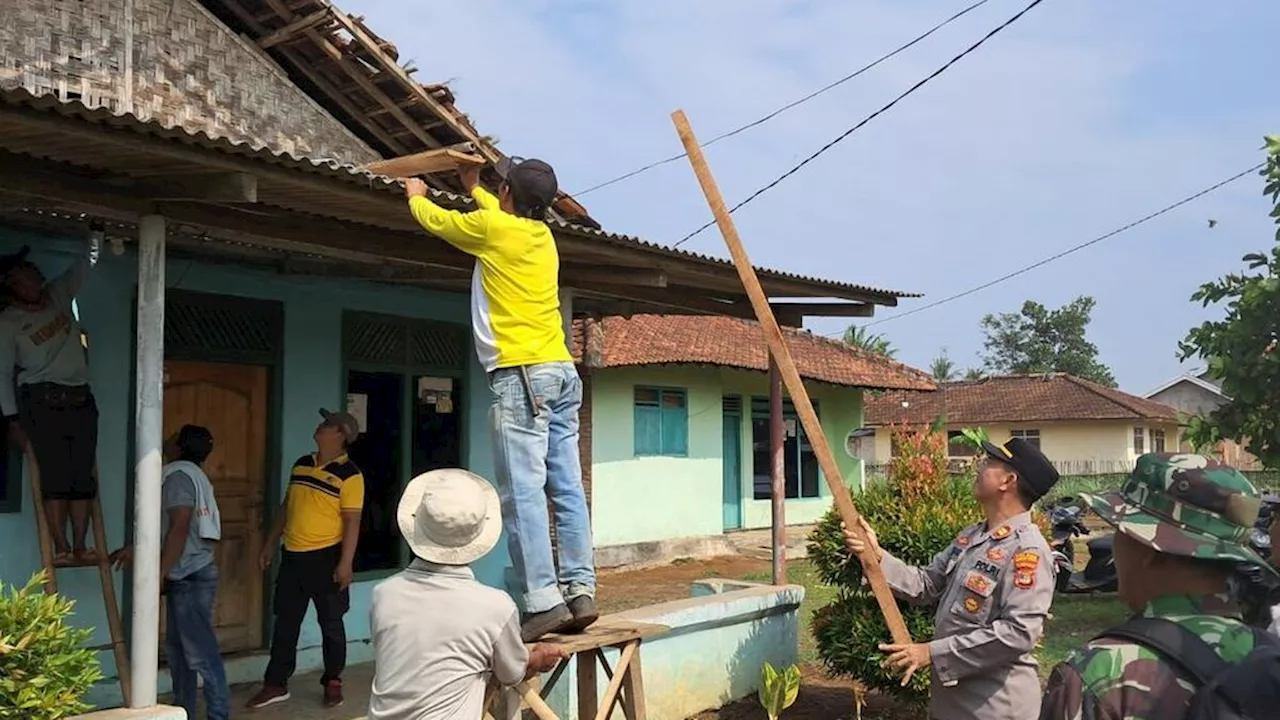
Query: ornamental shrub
{"points": [[45, 668], [916, 511]]}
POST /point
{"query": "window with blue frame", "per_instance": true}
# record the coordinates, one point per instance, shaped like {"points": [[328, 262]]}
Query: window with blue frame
{"points": [[801, 476], [661, 421]]}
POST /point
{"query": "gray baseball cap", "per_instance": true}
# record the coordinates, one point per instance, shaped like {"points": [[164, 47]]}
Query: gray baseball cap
{"points": [[345, 422]]}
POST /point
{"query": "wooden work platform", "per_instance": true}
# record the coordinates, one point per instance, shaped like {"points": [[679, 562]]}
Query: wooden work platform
{"points": [[626, 681]]}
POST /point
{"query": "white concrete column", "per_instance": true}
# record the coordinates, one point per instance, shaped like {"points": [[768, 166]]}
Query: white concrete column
{"points": [[566, 315], [148, 416]]}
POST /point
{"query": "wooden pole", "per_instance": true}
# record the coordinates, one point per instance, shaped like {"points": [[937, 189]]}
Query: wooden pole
{"points": [[778, 475], [795, 386]]}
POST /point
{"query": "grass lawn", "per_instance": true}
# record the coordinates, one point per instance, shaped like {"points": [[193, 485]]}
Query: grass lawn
{"points": [[1076, 618]]}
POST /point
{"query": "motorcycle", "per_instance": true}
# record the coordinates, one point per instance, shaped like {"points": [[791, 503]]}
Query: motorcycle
{"points": [[1099, 575], [1257, 590]]}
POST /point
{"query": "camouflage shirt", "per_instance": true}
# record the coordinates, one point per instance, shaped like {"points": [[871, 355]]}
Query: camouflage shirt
{"points": [[1111, 679]]}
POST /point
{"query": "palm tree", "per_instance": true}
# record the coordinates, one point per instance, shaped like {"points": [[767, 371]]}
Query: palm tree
{"points": [[973, 374], [942, 369], [876, 344]]}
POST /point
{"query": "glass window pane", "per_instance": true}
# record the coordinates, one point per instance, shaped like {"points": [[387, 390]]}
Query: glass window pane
{"points": [[648, 430], [675, 432]]}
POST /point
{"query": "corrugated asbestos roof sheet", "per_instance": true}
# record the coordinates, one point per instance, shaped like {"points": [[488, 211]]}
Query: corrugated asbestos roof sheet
{"points": [[354, 175]]}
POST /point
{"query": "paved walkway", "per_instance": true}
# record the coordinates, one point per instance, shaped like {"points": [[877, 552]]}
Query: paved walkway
{"points": [[759, 543], [307, 702]]}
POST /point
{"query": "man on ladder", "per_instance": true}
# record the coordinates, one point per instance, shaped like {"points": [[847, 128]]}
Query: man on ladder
{"points": [[533, 416], [52, 407]]}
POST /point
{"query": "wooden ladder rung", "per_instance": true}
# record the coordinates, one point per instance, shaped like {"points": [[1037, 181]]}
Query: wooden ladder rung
{"points": [[66, 564]]}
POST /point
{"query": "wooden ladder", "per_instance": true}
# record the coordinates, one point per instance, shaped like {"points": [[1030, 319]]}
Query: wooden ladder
{"points": [[103, 563], [625, 684]]}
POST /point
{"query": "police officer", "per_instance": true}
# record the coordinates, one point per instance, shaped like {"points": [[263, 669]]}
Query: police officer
{"points": [[1181, 523], [993, 587]]}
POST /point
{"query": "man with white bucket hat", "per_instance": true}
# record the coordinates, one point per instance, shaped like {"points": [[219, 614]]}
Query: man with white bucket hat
{"points": [[438, 633]]}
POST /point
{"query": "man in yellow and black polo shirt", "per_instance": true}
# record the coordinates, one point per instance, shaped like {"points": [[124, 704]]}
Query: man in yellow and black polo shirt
{"points": [[320, 524]]}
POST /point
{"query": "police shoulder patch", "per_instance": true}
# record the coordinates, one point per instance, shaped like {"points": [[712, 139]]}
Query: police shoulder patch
{"points": [[1025, 564]]}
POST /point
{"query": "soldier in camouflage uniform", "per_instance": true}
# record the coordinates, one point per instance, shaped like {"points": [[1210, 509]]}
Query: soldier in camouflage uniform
{"points": [[1182, 523]]}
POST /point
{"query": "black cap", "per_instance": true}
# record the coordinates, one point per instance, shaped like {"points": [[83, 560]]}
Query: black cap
{"points": [[532, 182], [1033, 468], [10, 262]]}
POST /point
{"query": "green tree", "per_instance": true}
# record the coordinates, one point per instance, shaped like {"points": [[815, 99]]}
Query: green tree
{"points": [[1039, 340], [942, 368], [973, 374], [1243, 348], [873, 343]]}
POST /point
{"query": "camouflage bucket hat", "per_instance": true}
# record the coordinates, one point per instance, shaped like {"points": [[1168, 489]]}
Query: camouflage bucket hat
{"points": [[1186, 505]]}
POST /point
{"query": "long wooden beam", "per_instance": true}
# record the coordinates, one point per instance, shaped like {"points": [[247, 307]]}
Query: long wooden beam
{"points": [[424, 163], [791, 377]]}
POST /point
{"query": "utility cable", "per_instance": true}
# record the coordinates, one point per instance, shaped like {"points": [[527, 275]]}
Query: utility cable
{"points": [[789, 105], [1068, 251], [865, 120]]}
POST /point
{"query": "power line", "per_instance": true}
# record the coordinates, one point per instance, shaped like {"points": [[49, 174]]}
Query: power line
{"points": [[865, 120], [1068, 251], [789, 105]]}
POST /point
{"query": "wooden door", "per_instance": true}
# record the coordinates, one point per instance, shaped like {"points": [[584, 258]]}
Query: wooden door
{"points": [[231, 401], [732, 461]]}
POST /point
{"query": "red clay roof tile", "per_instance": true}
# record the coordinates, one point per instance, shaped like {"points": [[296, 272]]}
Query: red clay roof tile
{"points": [[731, 342], [1015, 399]]}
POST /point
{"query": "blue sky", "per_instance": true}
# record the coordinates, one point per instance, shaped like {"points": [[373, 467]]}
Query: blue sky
{"points": [[1081, 117]]}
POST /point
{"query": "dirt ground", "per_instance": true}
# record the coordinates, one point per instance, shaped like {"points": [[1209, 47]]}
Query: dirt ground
{"points": [[629, 589]]}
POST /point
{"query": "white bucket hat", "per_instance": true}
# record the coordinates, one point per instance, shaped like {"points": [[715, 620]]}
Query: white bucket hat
{"points": [[450, 516]]}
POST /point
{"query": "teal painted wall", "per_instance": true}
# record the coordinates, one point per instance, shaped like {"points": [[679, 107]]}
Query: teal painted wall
{"points": [[312, 377], [642, 499]]}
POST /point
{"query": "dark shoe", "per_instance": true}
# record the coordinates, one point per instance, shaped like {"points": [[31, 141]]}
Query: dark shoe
{"points": [[333, 693], [584, 613], [268, 695], [534, 626]]}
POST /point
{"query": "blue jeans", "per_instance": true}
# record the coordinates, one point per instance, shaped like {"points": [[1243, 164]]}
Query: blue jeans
{"points": [[191, 646], [536, 454]]}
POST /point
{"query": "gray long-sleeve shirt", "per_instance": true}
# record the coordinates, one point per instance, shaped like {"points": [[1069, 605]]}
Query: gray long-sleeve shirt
{"points": [[438, 636], [44, 344], [993, 587]]}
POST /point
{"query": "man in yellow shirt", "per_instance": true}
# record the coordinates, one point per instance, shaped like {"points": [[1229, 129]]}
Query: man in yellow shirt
{"points": [[320, 524], [533, 418]]}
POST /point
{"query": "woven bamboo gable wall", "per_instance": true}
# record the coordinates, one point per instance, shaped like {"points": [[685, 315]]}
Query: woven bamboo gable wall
{"points": [[187, 70]]}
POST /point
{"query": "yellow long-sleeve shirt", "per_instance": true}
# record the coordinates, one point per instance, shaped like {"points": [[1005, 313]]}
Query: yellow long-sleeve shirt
{"points": [[515, 288]]}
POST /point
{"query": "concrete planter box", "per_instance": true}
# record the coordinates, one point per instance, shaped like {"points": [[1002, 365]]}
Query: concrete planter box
{"points": [[159, 712], [719, 640]]}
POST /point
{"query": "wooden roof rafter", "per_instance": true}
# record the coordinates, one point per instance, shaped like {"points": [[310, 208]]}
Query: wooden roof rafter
{"points": [[358, 75]]}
